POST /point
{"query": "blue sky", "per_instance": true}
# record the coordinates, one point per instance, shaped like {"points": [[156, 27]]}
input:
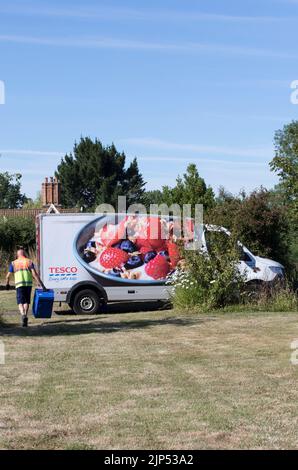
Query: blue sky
{"points": [[168, 81]]}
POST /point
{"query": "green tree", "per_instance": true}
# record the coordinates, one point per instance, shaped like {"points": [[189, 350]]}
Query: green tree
{"points": [[152, 197], [10, 191], [189, 189], [285, 163], [133, 184], [95, 174], [34, 203]]}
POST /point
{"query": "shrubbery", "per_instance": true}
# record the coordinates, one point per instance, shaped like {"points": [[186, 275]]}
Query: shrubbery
{"points": [[209, 280], [259, 220], [15, 231]]}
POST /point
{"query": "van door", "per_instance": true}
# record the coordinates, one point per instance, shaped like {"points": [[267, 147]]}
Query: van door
{"points": [[247, 264]]}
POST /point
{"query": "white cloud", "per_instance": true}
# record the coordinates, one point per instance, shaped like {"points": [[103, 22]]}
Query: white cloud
{"points": [[163, 145], [206, 149], [38, 153], [108, 13], [206, 161], [30, 174], [116, 43]]}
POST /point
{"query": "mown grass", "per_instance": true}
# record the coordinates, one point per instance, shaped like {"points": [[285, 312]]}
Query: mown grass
{"points": [[148, 379]]}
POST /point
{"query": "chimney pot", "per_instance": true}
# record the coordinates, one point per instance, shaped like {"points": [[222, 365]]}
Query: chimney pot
{"points": [[50, 192]]}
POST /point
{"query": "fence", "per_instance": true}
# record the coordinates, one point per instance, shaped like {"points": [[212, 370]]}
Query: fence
{"points": [[31, 213]]}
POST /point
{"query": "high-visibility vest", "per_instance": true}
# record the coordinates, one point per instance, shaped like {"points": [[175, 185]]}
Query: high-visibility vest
{"points": [[22, 272]]}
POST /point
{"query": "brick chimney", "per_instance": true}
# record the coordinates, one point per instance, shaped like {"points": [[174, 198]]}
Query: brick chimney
{"points": [[50, 192]]}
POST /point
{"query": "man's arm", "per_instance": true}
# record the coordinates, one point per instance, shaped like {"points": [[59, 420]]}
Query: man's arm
{"points": [[10, 271], [7, 280], [37, 278]]}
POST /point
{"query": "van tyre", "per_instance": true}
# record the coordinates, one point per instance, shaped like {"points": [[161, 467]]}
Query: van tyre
{"points": [[87, 301]]}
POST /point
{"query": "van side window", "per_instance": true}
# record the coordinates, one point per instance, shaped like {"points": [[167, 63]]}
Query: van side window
{"points": [[244, 256]]}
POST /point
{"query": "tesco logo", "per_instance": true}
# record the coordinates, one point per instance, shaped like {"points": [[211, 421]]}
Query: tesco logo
{"points": [[64, 270]]}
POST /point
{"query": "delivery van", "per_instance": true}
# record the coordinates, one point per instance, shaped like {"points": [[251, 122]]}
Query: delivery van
{"points": [[91, 259]]}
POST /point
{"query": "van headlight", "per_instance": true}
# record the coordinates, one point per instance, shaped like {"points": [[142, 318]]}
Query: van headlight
{"points": [[277, 270]]}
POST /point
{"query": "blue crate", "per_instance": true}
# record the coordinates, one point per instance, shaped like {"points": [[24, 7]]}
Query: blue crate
{"points": [[43, 303]]}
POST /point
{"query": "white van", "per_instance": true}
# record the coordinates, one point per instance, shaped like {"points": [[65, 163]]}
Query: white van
{"points": [[91, 259], [254, 267]]}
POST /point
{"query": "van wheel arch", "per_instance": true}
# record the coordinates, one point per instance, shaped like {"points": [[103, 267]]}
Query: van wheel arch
{"points": [[86, 287]]}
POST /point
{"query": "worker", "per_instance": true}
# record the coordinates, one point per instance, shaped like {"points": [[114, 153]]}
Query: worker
{"points": [[24, 272]]}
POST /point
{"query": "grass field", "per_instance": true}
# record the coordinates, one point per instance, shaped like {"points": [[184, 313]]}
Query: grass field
{"points": [[148, 379]]}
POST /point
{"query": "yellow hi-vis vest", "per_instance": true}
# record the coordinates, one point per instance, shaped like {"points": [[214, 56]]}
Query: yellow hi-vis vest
{"points": [[22, 272]]}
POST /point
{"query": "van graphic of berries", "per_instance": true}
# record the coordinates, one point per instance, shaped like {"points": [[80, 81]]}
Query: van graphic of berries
{"points": [[111, 234], [174, 253], [158, 267], [113, 258]]}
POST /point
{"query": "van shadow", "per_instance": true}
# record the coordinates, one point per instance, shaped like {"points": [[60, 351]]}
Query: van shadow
{"points": [[101, 324], [126, 307]]}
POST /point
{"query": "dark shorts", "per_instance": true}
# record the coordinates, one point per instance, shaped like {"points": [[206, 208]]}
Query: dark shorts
{"points": [[23, 295]]}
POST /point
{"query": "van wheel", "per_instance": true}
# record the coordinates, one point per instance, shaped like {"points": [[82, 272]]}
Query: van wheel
{"points": [[87, 301]]}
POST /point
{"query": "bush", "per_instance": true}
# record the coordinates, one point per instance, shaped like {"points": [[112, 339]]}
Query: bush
{"points": [[187, 292], [209, 281], [259, 220], [5, 259], [16, 231]]}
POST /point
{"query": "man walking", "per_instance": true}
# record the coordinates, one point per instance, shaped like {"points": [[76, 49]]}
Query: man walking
{"points": [[24, 271]]}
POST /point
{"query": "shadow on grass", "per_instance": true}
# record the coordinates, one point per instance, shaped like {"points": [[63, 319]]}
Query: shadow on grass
{"points": [[89, 326], [101, 323]]}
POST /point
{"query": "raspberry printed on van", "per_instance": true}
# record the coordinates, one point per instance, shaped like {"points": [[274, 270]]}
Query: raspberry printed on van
{"points": [[113, 258], [158, 267]]}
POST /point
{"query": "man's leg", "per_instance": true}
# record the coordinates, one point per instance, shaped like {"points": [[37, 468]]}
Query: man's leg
{"points": [[25, 317], [21, 301], [26, 308], [22, 308], [26, 305]]}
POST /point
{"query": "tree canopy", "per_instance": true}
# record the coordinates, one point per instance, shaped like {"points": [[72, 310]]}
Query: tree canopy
{"points": [[94, 174], [11, 196], [189, 189], [285, 162]]}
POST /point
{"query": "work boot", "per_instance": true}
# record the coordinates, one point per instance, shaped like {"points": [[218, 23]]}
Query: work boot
{"points": [[24, 321]]}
